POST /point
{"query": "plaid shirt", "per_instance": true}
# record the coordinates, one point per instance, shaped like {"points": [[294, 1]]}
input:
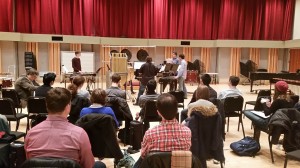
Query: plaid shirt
{"points": [[168, 136]]}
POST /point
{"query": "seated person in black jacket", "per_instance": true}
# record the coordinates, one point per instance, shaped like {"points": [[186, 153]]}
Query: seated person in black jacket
{"points": [[48, 80], [77, 104]]}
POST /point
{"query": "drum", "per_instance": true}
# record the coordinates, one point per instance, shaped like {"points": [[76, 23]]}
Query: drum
{"points": [[6, 82], [191, 76]]}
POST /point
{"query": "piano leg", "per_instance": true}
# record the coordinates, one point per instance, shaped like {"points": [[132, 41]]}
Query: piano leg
{"points": [[251, 85]]}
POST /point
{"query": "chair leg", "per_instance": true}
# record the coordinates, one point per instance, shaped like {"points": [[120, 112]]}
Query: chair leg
{"points": [[17, 125], [241, 121], [27, 126], [271, 151], [221, 163], [285, 161], [227, 124]]}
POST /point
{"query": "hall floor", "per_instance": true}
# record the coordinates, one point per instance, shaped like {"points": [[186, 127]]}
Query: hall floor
{"points": [[261, 160]]}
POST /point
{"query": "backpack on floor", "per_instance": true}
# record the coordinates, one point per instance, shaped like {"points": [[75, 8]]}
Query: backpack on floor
{"points": [[245, 147]]}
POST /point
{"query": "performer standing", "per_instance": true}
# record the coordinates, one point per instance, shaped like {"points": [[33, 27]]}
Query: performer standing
{"points": [[76, 64], [148, 71], [181, 75], [174, 58]]}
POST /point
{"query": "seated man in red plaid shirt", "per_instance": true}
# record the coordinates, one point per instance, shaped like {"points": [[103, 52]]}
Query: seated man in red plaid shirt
{"points": [[169, 135]]}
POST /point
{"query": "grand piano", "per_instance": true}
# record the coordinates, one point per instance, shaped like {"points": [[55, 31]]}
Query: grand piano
{"points": [[270, 76]]}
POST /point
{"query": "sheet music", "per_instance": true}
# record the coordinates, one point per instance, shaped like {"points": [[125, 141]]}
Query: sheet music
{"points": [[260, 114], [162, 68]]}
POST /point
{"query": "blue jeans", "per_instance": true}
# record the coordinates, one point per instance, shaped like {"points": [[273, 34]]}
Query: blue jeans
{"points": [[141, 92], [99, 164], [256, 120], [181, 86]]}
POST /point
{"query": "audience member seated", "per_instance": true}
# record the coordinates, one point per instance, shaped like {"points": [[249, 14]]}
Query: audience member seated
{"points": [[77, 104], [115, 90], [204, 80], [232, 91], [169, 135], [48, 80], [56, 137], [150, 95], [25, 86], [98, 100], [280, 100], [79, 81]]}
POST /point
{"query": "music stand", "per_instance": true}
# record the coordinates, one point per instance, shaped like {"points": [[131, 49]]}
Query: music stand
{"points": [[174, 67], [168, 67]]}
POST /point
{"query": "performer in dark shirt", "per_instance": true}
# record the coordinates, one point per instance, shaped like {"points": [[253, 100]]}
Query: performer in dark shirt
{"points": [[148, 71], [76, 64]]}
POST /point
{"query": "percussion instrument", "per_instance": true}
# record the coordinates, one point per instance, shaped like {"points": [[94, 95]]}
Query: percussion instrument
{"points": [[191, 76]]}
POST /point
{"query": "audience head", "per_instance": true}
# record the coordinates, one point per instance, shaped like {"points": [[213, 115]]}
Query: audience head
{"points": [[115, 78], [174, 54], [281, 88], [58, 100], [78, 80], [205, 79], [73, 89], [32, 74], [202, 92], [148, 59], [234, 80], [167, 106], [49, 78], [151, 86], [77, 53], [181, 56], [98, 96]]}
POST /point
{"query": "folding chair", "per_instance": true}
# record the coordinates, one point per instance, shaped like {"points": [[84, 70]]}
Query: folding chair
{"points": [[35, 106], [13, 95], [179, 95]]}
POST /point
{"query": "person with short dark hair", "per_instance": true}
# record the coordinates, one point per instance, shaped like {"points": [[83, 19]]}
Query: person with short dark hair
{"points": [[149, 96], [169, 135], [205, 79], [98, 100], [148, 72], [79, 80], [56, 137], [115, 90], [76, 63], [232, 91], [25, 86], [48, 80], [181, 75], [174, 58]]}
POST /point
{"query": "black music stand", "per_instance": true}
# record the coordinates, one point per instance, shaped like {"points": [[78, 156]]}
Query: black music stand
{"points": [[168, 67], [174, 67]]}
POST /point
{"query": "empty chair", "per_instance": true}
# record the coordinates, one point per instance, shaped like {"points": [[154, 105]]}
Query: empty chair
{"points": [[12, 94], [7, 109], [150, 114], [50, 162], [35, 106], [260, 93], [233, 107], [164, 159], [294, 155], [179, 95]]}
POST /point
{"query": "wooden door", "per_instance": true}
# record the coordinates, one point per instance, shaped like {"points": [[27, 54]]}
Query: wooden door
{"points": [[294, 63]]}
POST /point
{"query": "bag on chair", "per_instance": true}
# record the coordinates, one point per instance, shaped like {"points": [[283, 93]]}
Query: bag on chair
{"points": [[245, 147]]}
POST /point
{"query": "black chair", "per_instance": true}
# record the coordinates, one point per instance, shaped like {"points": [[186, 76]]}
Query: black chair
{"points": [[163, 159], [150, 112], [102, 134], [233, 107], [50, 162], [7, 109], [12, 94], [35, 106], [294, 155], [179, 95], [260, 93]]}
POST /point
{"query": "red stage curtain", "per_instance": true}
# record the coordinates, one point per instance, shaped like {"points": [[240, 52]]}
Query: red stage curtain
{"points": [[6, 15], [165, 19]]}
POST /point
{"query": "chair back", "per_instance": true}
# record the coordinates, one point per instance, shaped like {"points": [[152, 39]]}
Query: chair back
{"points": [[233, 104], [150, 113], [7, 107], [295, 99], [179, 95], [258, 105], [13, 95], [36, 105], [159, 159], [264, 93], [50, 162]]}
